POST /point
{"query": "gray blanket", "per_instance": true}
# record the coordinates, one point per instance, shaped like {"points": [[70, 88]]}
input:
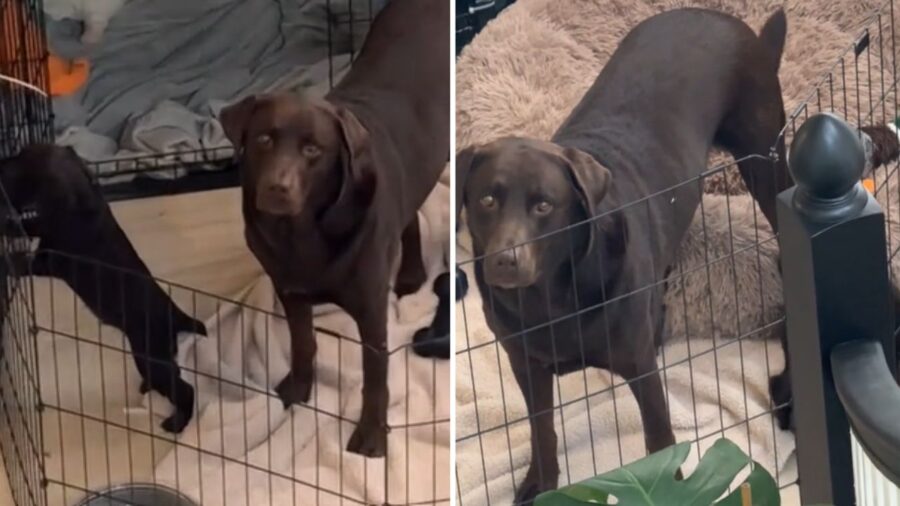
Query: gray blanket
{"points": [[166, 67]]}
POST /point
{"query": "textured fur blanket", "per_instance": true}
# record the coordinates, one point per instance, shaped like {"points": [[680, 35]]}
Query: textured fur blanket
{"points": [[529, 67], [522, 75]]}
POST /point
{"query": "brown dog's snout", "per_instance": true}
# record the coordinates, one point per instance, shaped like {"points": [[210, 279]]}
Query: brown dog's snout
{"points": [[278, 192], [511, 267], [278, 188], [506, 259]]}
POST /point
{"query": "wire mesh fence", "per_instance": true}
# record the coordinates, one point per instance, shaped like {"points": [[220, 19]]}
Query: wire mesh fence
{"points": [[346, 23], [76, 422], [25, 116], [583, 407]]}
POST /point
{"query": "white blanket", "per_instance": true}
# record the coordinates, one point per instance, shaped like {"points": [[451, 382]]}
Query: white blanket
{"points": [[253, 452]]}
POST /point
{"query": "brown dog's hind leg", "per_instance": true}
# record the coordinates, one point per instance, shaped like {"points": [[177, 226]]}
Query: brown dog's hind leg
{"points": [[412, 273], [536, 384], [297, 386], [750, 133], [644, 380]]}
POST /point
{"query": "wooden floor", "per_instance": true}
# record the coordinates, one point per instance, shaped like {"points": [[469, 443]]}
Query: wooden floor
{"points": [[193, 239]]}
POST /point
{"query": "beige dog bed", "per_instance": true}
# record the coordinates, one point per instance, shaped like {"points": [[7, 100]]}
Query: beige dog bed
{"points": [[521, 76], [532, 64]]}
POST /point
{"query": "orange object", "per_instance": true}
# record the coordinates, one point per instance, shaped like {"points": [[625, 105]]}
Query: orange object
{"points": [[18, 31], [869, 184], [66, 77]]}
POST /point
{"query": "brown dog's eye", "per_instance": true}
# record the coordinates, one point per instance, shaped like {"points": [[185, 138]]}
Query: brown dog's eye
{"points": [[311, 151], [488, 201], [264, 140], [543, 207]]}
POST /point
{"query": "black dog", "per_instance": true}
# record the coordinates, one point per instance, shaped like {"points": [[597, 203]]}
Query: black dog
{"points": [[434, 341], [562, 297], [81, 243]]}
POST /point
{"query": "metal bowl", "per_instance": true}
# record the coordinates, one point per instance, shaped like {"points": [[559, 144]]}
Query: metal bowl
{"points": [[137, 494]]}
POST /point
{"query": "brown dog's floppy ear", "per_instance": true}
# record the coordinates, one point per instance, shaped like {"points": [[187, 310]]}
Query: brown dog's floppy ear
{"points": [[357, 175], [465, 160], [234, 119], [591, 182]]}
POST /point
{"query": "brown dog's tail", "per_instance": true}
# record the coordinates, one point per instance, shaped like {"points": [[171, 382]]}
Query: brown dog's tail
{"points": [[773, 35]]}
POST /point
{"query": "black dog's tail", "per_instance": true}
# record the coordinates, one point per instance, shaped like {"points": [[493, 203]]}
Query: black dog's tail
{"points": [[773, 35], [885, 144]]}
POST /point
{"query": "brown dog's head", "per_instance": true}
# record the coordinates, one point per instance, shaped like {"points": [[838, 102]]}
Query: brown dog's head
{"points": [[49, 181], [300, 155], [518, 192]]}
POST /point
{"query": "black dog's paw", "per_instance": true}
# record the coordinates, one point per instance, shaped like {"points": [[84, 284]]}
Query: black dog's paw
{"points": [[198, 327], [368, 440], [403, 289], [462, 284], [780, 391], [409, 283], [294, 390], [145, 387], [427, 345], [176, 423], [434, 341]]}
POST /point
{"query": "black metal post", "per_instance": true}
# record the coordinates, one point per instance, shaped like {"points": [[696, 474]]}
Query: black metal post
{"points": [[836, 289]]}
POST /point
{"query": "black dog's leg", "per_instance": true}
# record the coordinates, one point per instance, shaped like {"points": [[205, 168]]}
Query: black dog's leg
{"points": [[434, 341], [536, 383], [164, 376], [179, 393], [412, 273], [462, 284], [780, 391]]}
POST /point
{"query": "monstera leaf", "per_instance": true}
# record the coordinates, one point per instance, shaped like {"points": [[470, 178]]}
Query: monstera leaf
{"points": [[651, 482]]}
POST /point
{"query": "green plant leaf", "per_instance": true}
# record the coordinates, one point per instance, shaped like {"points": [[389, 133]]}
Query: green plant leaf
{"points": [[651, 481]]}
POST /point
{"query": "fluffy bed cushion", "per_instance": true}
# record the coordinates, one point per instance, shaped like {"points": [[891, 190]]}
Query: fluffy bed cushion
{"points": [[529, 67], [165, 67]]}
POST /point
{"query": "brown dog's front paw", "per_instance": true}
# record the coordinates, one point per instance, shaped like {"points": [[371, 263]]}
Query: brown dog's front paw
{"points": [[368, 440], [527, 492], [294, 390], [532, 486]]}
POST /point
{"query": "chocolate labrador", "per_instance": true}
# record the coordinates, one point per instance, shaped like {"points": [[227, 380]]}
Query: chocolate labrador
{"points": [[81, 243], [625, 165], [331, 189]]}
